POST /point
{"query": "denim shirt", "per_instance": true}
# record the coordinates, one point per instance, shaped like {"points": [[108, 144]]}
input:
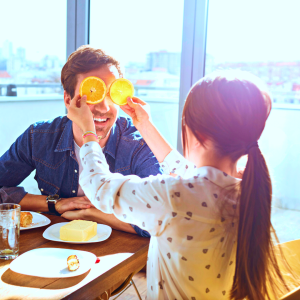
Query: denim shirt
{"points": [[48, 148]]}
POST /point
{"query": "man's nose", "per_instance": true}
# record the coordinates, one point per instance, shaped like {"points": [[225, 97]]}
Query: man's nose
{"points": [[102, 107]]}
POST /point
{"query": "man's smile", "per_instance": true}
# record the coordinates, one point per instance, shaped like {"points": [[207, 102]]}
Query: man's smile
{"points": [[100, 120], [101, 123]]}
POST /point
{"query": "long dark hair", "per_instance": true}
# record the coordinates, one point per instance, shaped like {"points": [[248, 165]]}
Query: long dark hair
{"points": [[230, 108]]}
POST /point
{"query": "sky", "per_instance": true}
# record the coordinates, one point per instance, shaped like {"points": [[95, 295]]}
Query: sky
{"points": [[38, 26], [253, 30], [130, 29], [238, 30]]}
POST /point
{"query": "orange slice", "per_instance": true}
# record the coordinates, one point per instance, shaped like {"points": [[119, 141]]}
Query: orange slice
{"points": [[94, 88], [120, 90]]}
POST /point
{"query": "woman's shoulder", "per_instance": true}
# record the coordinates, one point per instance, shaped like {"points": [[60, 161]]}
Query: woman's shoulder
{"points": [[204, 192]]}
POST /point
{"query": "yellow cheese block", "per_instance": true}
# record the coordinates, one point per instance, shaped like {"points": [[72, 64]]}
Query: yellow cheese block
{"points": [[78, 231]]}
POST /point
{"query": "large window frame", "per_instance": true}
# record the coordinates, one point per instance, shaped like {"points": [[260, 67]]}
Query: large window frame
{"points": [[193, 42]]}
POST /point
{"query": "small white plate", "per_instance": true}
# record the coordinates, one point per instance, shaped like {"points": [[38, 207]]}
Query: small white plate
{"points": [[38, 220], [51, 262], [52, 234]]}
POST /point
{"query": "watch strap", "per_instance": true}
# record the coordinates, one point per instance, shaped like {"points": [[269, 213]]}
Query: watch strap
{"points": [[51, 206]]}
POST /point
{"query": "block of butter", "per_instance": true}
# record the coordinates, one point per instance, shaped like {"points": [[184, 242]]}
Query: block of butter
{"points": [[78, 231]]}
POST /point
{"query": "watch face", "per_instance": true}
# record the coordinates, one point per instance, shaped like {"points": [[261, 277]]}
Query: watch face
{"points": [[53, 197], [52, 200]]}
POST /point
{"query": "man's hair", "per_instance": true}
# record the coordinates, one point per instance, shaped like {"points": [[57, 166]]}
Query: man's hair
{"points": [[81, 61]]}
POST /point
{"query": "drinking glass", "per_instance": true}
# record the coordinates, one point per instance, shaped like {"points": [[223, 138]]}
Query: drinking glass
{"points": [[9, 230]]}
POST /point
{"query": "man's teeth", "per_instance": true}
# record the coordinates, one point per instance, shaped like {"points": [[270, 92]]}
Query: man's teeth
{"points": [[100, 120]]}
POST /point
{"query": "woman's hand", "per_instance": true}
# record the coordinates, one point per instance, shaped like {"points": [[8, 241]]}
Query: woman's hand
{"points": [[78, 214], [80, 113], [138, 110]]}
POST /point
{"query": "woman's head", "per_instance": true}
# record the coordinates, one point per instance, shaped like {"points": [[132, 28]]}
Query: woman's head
{"points": [[229, 108]]}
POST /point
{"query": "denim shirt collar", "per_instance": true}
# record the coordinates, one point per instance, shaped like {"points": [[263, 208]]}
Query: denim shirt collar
{"points": [[66, 141], [111, 145]]}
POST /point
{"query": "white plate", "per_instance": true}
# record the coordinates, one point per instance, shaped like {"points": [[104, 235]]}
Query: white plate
{"points": [[51, 262], [52, 234], [38, 220]]}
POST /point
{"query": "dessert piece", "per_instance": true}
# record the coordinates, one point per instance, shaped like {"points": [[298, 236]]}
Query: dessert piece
{"points": [[78, 231], [25, 218], [73, 263]]}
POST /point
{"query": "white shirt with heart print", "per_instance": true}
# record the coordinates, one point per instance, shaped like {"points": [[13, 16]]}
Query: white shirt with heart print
{"points": [[193, 228]]}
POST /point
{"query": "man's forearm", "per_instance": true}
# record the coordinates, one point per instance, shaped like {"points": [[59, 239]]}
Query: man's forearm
{"points": [[34, 203], [98, 216]]}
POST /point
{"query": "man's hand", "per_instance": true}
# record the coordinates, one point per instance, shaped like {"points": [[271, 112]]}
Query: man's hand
{"points": [[73, 203], [138, 110]]}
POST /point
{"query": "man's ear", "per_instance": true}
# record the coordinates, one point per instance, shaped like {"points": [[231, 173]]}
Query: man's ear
{"points": [[67, 99]]}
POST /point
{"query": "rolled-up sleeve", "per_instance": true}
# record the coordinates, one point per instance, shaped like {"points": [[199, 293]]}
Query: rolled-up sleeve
{"points": [[15, 165], [12, 194]]}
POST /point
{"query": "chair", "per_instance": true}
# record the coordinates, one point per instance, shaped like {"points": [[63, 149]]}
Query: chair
{"points": [[124, 286], [291, 250], [128, 282]]}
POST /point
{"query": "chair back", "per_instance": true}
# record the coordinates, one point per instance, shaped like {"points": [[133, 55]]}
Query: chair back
{"points": [[291, 251]]}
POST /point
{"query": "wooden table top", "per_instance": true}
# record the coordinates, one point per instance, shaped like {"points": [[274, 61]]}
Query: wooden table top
{"points": [[120, 255]]}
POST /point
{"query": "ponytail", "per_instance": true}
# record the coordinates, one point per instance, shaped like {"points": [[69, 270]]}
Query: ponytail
{"points": [[256, 264]]}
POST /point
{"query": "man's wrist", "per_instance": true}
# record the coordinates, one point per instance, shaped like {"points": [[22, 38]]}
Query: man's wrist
{"points": [[57, 207]]}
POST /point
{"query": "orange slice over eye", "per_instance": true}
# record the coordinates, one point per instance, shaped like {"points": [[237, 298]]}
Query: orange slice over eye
{"points": [[119, 90], [94, 88]]}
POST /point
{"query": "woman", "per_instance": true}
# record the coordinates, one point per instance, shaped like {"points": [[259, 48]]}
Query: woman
{"points": [[210, 230]]}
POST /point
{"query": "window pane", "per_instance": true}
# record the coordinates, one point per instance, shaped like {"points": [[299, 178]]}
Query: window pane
{"points": [[260, 36], [32, 53], [146, 38], [33, 48]]}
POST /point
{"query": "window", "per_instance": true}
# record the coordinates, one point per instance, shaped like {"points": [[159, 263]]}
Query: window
{"points": [[146, 38], [33, 50], [261, 37], [32, 53]]}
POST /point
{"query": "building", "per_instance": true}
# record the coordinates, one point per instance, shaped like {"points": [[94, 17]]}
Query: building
{"points": [[164, 61], [7, 50]]}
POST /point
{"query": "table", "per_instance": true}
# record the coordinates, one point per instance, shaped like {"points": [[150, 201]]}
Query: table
{"points": [[120, 255]]}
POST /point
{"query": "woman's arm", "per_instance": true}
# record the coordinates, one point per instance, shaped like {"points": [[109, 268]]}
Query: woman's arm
{"points": [[144, 202], [171, 161], [138, 111]]}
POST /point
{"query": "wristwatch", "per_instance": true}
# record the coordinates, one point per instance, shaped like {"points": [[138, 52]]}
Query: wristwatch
{"points": [[51, 201]]}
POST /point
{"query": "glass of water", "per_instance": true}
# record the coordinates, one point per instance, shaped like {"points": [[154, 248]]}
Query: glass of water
{"points": [[9, 230]]}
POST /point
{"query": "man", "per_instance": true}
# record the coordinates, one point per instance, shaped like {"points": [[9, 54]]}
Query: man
{"points": [[52, 149]]}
